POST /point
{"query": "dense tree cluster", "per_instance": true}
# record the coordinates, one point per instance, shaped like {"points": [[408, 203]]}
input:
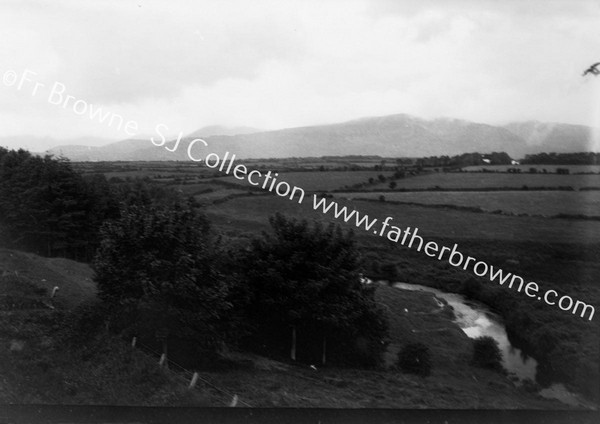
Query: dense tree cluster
{"points": [[157, 270], [466, 159], [580, 158], [296, 293], [304, 295], [48, 208]]}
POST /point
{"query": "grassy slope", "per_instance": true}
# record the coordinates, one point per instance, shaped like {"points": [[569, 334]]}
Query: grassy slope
{"points": [[318, 181], [540, 203], [486, 180], [251, 213], [74, 279], [37, 367]]}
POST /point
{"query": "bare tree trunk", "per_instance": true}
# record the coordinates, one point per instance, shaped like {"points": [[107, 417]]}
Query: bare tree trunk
{"points": [[293, 350]]}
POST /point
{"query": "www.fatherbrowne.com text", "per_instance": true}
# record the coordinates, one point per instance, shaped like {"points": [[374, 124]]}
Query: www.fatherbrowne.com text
{"points": [[411, 239], [406, 237]]}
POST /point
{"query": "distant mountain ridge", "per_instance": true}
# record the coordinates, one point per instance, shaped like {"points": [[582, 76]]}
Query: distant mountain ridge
{"points": [[109, 152], [221, 130], [38, 144], [398, 135], [559, 138]]}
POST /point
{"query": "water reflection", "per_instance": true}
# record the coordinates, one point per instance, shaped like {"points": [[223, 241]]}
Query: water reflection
{"points": [[477, 320]]}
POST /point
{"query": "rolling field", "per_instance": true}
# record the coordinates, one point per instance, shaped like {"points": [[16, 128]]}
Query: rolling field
{"points": [[198, 188], [250, 214], [321, 181], [480, 180], [216, 195], [542, 203]]}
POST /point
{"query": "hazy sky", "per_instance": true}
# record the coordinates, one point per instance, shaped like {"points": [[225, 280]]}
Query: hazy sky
{"points": [[274, 64]]}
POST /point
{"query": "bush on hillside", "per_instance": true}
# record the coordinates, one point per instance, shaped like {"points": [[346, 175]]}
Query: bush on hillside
{"points": [[486, 353]]}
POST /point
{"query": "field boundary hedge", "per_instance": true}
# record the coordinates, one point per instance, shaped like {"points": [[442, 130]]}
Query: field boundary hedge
{"points": [[477, 209], [460, 189]]}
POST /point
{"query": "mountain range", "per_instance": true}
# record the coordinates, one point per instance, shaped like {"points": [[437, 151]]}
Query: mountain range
{"points": [[398, 135]]}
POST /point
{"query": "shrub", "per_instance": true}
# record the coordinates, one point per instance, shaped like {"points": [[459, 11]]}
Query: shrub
{"points": [[415, 358], [486, 353]]}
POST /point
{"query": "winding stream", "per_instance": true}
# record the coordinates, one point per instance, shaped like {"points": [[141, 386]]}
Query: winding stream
{"points": [[476, 320]]}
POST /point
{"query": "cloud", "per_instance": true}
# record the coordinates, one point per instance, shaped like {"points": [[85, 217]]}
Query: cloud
{"points": [[119, 53], [273, 64]]}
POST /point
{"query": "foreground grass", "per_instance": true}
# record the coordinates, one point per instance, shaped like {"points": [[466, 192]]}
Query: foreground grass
{"points": [[38, 367], [40, 362]]}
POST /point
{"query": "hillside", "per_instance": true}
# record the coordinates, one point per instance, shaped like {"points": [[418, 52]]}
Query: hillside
{"points": [[553, 137], [39, 144], [211, 130], [395, 135], [47, 356], [109, 152], [389, 136], [74, 279]]}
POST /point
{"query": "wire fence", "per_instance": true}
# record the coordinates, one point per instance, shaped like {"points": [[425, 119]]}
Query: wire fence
{"points": [[188, 376]]}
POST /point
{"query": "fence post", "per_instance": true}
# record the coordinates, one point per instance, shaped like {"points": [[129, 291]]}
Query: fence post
{"points": [[194, 381]]}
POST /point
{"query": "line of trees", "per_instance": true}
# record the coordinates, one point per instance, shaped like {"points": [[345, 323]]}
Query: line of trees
{"points": [[466, 159], [48, 208], [580, 158]]}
